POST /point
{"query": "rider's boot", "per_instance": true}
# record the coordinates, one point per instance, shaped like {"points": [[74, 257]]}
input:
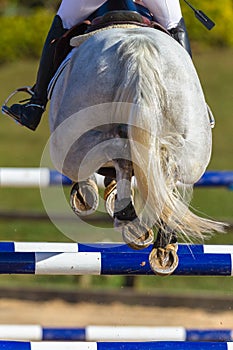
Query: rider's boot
{"points": [[180, 34], [29, 114]]}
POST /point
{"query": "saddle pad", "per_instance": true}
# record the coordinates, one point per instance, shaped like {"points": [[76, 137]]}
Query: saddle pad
{"points": [[78, 40]]}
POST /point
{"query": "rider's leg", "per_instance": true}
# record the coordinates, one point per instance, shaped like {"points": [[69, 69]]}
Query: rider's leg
{"points": [[70, 13], [75, 11], [180, 34], [168, 14], [29, 114]]}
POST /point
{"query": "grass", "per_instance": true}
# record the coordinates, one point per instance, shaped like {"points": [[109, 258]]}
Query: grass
{"points": [[23, 148]]}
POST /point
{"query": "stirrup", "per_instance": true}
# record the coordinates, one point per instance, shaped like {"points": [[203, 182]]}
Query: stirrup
{"points": [[5, 108]]}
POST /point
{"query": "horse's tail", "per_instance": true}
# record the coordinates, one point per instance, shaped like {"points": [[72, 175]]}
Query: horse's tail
{"points": [[153, 150]]}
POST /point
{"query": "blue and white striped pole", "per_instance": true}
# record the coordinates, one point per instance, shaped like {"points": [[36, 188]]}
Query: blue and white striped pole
{"points": [[113, 333], [97, 263], [117, 247], [44, 177], [11, 345]]}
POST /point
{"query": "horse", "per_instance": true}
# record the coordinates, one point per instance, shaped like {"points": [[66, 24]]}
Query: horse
{"points": [[128, 104]]}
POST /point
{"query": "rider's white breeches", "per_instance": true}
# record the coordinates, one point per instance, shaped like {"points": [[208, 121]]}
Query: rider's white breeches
{"points": [[167, 12], [74, 11]]}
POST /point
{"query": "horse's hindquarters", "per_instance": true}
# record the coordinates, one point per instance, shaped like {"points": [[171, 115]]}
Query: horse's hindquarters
{"points": [[161, 94]]}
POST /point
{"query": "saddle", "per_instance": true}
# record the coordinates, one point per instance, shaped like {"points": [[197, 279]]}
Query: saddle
{"points": [[110, 19], [121, 18]]}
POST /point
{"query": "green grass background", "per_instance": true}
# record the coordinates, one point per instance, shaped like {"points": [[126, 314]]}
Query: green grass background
{"points": [[23, 148]]}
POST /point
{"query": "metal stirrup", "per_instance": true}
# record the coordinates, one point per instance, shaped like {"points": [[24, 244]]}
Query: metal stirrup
{"points": [[27, 89]]}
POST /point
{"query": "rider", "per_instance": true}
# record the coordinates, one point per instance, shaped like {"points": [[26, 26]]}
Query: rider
{"points": [[71, 12]]}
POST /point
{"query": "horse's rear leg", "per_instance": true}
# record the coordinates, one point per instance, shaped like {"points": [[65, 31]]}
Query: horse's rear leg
{"points": [[84, 197], [136, 234], [163, 257]]}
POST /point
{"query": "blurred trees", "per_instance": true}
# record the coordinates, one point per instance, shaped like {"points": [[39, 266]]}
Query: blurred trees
{"points": [[20, 6], [23, 36], [221, 12], [39, 3]]}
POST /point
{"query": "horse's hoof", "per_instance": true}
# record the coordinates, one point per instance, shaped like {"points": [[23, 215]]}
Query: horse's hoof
{"points": [[164, 261], [136, 235], [109, 197], [84, 197]]}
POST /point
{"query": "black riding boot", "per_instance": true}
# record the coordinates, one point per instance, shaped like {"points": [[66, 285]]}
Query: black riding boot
{"points": [[30, 113], [180, 34]]}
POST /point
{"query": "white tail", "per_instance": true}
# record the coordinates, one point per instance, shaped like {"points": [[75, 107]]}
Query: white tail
{"points": [[154, 143]]}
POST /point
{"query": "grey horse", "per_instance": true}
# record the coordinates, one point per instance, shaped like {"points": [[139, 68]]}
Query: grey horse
{"points": [[129, 104]]}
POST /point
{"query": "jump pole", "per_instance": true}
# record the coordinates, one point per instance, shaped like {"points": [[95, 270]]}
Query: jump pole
{"points": [[97, 263], [11, 345], [117, 247], [113, 333], [45, 177]]}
